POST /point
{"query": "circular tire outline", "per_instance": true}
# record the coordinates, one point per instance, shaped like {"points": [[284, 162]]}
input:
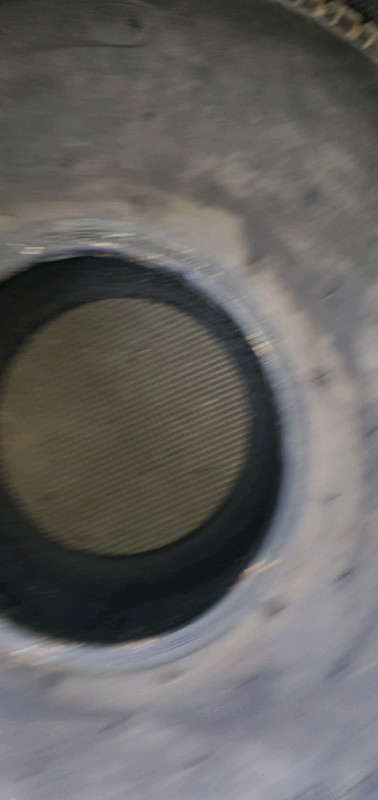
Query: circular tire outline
{"points": [[85, 237]]}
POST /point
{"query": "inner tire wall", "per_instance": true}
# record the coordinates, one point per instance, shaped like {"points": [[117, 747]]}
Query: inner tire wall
{"points": [[105, 599]]}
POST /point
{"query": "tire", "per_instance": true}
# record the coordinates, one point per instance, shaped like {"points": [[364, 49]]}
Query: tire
{"points": [[246, 135]]}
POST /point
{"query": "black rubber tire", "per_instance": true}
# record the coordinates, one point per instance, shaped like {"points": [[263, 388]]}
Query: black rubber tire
{"points": [[112, 599], [249, 133]]}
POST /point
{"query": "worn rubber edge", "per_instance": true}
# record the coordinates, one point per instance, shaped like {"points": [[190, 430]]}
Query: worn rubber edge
{"points": [[341, 20]]}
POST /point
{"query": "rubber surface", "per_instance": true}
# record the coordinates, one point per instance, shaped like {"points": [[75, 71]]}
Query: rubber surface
{"points": [[250, 133], [92, 597]]}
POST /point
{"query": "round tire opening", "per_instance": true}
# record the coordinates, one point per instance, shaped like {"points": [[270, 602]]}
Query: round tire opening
{"points": [[139, 449]]}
